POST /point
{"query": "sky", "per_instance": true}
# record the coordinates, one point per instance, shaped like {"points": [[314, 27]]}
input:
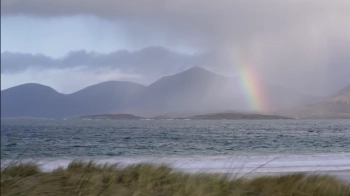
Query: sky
{"points": [[71, 44]]}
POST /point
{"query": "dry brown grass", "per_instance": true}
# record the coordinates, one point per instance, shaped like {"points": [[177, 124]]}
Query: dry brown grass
{"points": [[88, 178]]}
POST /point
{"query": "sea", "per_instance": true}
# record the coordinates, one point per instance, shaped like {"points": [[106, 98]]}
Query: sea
{"points": [[239, 146]]}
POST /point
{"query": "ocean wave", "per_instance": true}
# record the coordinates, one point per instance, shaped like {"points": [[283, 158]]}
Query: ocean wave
{"points": [[216, 164]]}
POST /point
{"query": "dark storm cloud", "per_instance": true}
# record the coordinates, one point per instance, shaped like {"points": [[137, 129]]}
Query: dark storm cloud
{"points": [[149, 60], [198, 22], [19, 62], [299, 43]]}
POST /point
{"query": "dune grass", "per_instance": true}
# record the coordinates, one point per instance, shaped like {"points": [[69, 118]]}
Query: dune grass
{"points": [[89, 178]]}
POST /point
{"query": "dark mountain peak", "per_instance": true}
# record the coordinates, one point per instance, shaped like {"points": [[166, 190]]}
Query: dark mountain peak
{"points": [[197, 69], [31, 100], [197, 73], [108, 85], [194, 74], [114, 82], [30, 87]]}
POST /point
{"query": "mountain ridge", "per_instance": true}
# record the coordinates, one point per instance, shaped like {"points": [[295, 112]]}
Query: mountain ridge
{"points": [[195, 89]]}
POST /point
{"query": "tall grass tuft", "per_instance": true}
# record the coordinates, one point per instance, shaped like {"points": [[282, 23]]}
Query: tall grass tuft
{"points": [[89, 178], [20, 170]]}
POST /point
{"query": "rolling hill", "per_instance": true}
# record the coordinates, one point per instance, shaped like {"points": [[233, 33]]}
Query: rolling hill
{"points": [[32, 100], [106, 97], [195, 89], [35, 100]]}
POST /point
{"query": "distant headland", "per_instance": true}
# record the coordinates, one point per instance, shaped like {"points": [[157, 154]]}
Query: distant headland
{"points": [[211, 116]]}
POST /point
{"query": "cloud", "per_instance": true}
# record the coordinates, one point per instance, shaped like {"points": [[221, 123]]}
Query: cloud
{"points": [[150, 60], [198, 22], [147, 65], [303, 44]]}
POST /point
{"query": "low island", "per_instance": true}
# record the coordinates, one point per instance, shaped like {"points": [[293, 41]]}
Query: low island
{"points": [[236, 116], [211, 116], [112, 116]]}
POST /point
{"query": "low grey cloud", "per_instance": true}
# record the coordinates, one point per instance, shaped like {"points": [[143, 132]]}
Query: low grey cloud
{"points": [[303, 44], [150, 60], [205, 23], [152, 63]]}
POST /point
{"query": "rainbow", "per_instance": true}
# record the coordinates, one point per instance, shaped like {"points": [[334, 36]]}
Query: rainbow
{"points": [[251, 85]]}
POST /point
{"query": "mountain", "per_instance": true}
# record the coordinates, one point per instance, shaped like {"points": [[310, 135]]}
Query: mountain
{"points": [[106, 97], [32, 100], [195, 90], [198, 89], [37, 100], [334, 106]]}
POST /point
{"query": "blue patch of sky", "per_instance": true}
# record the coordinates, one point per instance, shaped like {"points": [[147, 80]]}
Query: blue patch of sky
{"points": [[56, 37]]}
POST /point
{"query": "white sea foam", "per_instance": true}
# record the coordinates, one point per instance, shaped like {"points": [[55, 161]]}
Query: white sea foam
{"points": [[221, 164]]}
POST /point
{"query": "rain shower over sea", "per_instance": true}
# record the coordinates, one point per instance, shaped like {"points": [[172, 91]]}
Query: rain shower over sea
{"points": [[186, 145]]}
